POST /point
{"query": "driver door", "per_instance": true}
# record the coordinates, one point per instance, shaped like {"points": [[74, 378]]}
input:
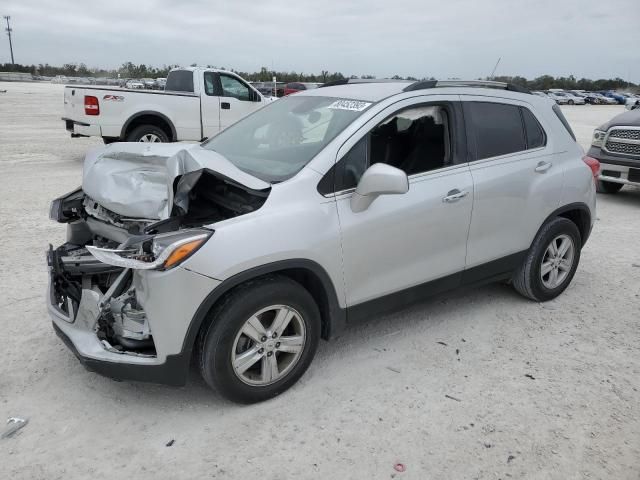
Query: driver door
{"points": [[405, 242]]}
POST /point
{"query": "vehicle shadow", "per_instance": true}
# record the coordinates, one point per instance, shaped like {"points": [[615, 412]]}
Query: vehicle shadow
{"points": [[627, 196], [358, 338]]}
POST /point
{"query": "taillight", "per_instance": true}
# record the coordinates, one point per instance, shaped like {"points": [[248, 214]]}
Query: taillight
{"points": [[91, 105], [593, 164]]}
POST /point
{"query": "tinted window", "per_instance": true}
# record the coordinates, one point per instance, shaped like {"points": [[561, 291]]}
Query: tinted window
{"points": [[232, 87], [415, 140], [180, 81], [535, 134], [497, 128]]}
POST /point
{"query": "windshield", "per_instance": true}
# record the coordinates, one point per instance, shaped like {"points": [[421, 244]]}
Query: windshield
{"points": [[277, 141]]}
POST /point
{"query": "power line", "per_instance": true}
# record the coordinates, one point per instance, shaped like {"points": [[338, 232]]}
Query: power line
{"points": [[9, 30]]}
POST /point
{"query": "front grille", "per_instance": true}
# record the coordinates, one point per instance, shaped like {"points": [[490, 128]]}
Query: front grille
{"points": [[634, 175], [624, 148], [628, 134], [610, 173]]}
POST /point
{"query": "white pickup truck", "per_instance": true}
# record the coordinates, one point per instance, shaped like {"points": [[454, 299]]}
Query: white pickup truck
{"points": [[196, 103]]}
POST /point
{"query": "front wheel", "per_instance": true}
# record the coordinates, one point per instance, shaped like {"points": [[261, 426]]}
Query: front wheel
{"points": [[551, 261], [570, 102], [608, 187], [261, 339]]}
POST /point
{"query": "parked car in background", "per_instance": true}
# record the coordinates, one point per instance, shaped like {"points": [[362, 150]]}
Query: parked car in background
{"points": [[558, 98], [332, 205], [588, 97], [149, 83], [616, 145], [603, 99], [196, 103], [633, 102], [134, 85], [295, 87], [571, 98], [59, 79], [618, 97], [161, 83], [540, 93]]}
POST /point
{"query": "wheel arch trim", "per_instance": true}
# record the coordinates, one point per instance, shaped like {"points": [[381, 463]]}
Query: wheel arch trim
{"points": [[152, 113], [336, 316], [583, 208]]}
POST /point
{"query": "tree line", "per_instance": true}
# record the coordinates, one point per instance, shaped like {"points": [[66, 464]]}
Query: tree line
{"points": [[131, 70]]}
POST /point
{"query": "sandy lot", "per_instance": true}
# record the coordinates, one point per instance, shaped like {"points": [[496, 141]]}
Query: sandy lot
{"points": [[351, 416]]}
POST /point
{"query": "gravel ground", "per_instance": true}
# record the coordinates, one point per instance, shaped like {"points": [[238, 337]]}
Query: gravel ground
{"points": [[543, 391]]}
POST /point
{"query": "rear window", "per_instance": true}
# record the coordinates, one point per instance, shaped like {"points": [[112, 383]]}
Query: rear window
{"points": [[497, 127], [559, 114], [180, 81]]}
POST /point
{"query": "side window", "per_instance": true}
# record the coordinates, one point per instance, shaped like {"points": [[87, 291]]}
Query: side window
{"points": [[415, 140], [497, 128], [209, 83], [180, 81], [535, 134], [232, 87]]}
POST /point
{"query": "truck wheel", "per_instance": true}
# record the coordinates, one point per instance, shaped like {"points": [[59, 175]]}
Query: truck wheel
{"points": [[608, 187], [261, 339], [148, 133], [551, 261]]}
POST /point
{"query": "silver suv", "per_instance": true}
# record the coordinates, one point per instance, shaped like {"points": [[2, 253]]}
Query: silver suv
{"points": [[327, 206]]}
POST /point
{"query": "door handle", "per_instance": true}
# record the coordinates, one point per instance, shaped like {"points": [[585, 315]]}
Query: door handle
{"points": [[455, 195], [225, 106], [542, 167]]}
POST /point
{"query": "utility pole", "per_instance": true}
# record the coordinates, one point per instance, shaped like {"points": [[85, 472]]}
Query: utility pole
{"points": [[9, 30]]}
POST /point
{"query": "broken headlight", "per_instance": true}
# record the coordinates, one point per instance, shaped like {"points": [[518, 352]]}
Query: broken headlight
{"points": [[163, 252]]}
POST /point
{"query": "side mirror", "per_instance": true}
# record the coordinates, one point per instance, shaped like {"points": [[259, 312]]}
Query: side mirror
{"points": [[378, 179]]}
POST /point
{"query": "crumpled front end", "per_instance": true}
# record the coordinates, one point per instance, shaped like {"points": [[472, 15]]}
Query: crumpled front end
{"points": [[122, 322], [118, 294]]}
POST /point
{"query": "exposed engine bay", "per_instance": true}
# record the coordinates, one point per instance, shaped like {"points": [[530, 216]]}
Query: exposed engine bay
{"points": [[104, 248]]}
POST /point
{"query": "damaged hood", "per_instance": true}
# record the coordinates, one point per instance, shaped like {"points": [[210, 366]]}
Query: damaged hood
{"points": [[137, 180]]}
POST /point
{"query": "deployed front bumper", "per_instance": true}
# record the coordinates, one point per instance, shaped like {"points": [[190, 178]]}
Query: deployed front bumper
{"points": [[170, 300]]}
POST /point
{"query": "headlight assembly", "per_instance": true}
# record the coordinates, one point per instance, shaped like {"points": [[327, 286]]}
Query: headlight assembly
{"points": [[165, 251], [598, 138]]}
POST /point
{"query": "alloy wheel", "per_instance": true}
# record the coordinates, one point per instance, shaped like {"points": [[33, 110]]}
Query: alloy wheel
{"points": [[557, 261], [268, 345], [150, 138]]}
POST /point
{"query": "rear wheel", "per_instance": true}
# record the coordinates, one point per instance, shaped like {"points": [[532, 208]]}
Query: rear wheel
{"points": [[570, 102], [608, 187], [551, 261], [262, 338], [148, 134]]}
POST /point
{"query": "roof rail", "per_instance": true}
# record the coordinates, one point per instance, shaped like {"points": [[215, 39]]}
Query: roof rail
{"points": [[349, 81], [424, 84]]}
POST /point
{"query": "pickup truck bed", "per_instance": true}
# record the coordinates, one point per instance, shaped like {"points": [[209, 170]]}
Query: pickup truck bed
{"points": [[198, 103]]}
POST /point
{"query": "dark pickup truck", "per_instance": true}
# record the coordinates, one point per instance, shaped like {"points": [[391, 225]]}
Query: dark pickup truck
{"points": [[616, 145]]}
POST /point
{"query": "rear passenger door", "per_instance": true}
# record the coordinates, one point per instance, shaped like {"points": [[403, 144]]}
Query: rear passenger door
{"points": [[517, 180]]}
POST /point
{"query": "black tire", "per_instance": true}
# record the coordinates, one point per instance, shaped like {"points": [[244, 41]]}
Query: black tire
{"points": [[226, 320], [108, 140], [527, 279], [608, 187], [570, 102], [138, 133]]}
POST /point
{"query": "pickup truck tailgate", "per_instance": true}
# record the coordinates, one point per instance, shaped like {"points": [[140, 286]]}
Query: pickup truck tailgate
{"points": [[76, 121]]}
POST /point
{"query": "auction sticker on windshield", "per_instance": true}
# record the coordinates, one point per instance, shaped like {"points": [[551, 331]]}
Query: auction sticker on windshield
{"points": [[352, 105]]}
